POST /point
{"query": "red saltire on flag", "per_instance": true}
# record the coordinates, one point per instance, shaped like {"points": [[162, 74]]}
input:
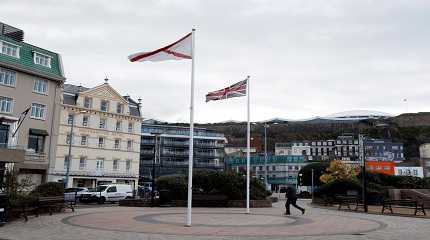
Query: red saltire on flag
{"points": [[235, 90], [178, 50]]}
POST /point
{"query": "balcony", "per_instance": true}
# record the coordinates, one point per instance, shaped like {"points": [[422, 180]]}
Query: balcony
{"points": [[97, 173], [11, 154]]}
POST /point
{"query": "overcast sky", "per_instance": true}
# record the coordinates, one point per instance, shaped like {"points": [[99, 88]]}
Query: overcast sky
{"points": [[305, 58]]}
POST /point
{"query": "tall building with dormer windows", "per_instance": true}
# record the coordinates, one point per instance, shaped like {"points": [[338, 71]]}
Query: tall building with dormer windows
{"points": [[105, 144], [30, 89]]}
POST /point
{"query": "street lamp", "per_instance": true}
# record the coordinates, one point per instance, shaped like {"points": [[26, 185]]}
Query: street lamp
{"points": [[157, 142], [266, 125], [69, 156], [363, 170]]}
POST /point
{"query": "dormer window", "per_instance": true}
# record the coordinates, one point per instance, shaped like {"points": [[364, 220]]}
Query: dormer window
{"points": [[88, 102], [42, 59], [9, 49], [104, 106], [120, 108]]}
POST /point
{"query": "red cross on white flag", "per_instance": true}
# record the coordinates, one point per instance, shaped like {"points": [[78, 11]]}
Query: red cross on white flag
{"points": [[178, 50]]}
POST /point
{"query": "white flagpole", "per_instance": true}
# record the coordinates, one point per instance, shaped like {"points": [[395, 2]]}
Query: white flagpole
{"points": [[248, 147], [191, 141]]}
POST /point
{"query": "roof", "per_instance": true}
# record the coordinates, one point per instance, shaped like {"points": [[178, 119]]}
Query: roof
{"points": [[357, 114], [71, 92], [25, 62]]}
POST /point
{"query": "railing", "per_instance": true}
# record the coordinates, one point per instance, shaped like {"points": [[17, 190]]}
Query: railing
{"points": [[98, 173], [182, 132]]}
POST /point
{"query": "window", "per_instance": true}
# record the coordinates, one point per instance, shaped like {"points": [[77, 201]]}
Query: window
{"points": [[254, 168], [101, 142], [85, 120], [40, 86], [36, 142], [100, 164], [88, 102], [102, 123], [119, 108], [38, 111], [129, 145], [118, 125], [117, 143], [84, 140], [9, 49], [42, 59], [115, 165], [70, 119], [128, 165], [6, 104], [7, 77], [111, 189], [82, 163], [273, 168], [68, 137], [260, 168], [66, 162], [104, 105], [130, 127]]}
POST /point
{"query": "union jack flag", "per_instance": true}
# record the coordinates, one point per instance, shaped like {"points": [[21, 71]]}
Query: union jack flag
{"points": [[235, 90]]}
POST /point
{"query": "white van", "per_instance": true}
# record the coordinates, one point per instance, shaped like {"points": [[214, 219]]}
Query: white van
{"points": [[107, 193]]}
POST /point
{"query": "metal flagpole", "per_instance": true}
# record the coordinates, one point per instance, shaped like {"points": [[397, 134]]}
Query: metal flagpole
{"points": [[248, 147], [191, 141]]}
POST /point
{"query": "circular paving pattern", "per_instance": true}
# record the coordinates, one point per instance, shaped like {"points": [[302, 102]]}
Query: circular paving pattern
{"points": [[221, 223]]}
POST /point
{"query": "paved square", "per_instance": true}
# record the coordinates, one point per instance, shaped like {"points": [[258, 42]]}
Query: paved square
{"points": [[215, 223]]}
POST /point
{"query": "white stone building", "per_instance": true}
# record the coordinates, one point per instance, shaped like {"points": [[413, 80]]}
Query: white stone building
{"points": [[106, 137]]}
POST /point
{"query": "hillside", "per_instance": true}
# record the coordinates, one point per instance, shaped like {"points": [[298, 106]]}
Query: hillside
{"points": [[411, 129]]}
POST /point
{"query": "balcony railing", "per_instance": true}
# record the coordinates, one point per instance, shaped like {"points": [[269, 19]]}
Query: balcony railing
{"points": [[98, 173]]}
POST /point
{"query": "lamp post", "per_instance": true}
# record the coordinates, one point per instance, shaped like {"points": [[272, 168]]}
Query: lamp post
{"points": [[266, 126], [363, 170], [156, 155], [69, 156]]}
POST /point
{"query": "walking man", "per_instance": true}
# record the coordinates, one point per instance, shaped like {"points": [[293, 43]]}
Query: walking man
{"points": [[291, 197]]}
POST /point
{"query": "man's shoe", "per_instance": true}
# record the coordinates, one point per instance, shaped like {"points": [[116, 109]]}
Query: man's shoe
{"points": [[303, 211]]}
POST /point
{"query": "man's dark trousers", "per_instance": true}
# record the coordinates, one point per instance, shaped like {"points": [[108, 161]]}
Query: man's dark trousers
{"points": [[291, 201]]}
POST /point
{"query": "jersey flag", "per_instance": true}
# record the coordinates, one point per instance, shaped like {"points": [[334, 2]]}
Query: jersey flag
{"points": [[235, 90], [178, 50]]}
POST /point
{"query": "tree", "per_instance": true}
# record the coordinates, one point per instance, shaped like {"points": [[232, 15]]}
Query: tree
{"points": [[338, 170]]}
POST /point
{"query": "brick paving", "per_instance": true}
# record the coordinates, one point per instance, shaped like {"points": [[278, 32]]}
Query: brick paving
{"points": [[215, 223]]}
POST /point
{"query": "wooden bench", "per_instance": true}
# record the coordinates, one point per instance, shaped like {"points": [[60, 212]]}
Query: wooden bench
{"points": [[409, 204], [345, 200], [54, 203]]}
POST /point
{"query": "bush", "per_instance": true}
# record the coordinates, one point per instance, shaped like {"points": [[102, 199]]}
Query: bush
{"points": [[49, 189], [336, 187], [176, 184], [230, 184]]}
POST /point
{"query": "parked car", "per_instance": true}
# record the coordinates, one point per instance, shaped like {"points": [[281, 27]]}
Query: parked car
{"points": [[107, 193], [72, 194]]}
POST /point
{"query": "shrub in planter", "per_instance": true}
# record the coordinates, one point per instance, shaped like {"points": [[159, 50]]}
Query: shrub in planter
{"points": [[49, 189], [337, 187], [173, 187]]}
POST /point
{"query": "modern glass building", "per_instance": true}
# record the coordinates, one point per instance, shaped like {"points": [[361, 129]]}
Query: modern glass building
{"points": [[164, 147]]}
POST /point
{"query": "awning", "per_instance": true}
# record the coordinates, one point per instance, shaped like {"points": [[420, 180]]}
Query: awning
{"points": [[38, 132]]}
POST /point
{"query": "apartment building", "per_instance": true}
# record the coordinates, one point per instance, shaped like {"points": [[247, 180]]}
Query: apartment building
{"points": [[282, 170], [105, 141], [164, 148], [30, 90]]}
